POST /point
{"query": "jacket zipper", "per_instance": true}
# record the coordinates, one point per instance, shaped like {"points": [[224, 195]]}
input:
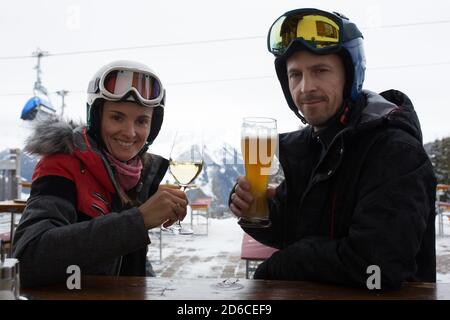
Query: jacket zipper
{"points": [[311, 182], [99, 209], [100, 197]]}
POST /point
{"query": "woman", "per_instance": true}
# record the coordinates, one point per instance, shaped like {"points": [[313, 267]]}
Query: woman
{"points": [[95, 192]]}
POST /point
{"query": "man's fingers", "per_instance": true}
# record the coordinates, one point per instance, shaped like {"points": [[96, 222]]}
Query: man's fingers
{"points": [[237, 212], [238, 202], [243, 194], [243, 183]]}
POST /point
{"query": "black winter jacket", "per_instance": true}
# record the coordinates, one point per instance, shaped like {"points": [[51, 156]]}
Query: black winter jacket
{"points": [[360, 193]]}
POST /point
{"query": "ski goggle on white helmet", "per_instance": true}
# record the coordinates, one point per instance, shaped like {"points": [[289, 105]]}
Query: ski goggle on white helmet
{"points": [[126, 81]]}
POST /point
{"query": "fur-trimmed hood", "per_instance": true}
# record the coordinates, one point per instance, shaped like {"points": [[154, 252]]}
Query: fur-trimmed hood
{"points": [[55, 137], [51, 136]]}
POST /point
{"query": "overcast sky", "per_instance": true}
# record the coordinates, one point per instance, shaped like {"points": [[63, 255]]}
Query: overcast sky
{"points": [[212, 57]]}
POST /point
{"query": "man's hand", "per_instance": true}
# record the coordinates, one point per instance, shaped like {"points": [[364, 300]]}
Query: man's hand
{"points": [[242, 198]]}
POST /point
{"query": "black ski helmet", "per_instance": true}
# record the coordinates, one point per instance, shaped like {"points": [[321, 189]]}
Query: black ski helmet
{"points": [[333, 33]]}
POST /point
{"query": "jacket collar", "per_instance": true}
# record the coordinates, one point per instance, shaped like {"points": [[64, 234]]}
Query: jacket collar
{"points": [[369, 111]]}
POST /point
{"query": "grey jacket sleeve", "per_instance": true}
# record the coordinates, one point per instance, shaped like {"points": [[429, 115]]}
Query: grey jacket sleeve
{"points": [[49, 239]]}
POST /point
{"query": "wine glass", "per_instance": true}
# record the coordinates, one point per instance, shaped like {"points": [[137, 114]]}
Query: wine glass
{"points": [[186, 163]]}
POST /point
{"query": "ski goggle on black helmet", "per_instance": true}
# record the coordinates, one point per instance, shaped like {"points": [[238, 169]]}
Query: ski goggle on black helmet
{"points": [[319, 32]]}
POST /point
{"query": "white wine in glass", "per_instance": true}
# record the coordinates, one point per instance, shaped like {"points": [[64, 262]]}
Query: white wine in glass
{"points": [[185, 171], [186, 163]]}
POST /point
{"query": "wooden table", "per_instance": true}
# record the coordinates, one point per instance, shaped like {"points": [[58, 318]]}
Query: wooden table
{"points": [[12, 207], [142, 288]]}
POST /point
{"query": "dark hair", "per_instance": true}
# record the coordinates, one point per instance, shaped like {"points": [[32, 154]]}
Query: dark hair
{"points": [[95, 120]]}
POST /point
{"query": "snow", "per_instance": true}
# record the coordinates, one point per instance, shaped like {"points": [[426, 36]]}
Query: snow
{"points": [[443, 277], [443, 242], [443, 245], [200, 256]]}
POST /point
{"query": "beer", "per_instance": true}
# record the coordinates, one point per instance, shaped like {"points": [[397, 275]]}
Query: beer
{"points": [[258, 153], [258, 143]]}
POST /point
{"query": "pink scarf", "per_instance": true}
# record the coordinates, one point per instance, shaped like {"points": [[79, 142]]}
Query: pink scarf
{"points": [[126, 173]]}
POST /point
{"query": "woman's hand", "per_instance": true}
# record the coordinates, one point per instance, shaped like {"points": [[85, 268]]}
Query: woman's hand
{"points": [[168, 204]]}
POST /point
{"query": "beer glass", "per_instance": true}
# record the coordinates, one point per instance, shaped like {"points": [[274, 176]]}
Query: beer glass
{"points": [[258, 142]]}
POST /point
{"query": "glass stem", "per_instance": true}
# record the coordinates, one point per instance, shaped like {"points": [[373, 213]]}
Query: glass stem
{"points": [[182, 188]]}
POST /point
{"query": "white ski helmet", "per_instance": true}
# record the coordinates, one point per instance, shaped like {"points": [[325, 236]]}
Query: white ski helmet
{"points": [[125, 80]]}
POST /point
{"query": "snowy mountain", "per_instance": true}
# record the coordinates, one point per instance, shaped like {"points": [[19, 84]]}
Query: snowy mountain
{"points": [[222, 165], [225, 166]]}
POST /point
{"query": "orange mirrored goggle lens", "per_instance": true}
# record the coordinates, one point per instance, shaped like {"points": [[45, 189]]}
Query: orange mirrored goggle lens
{"points": [[317, 32]]}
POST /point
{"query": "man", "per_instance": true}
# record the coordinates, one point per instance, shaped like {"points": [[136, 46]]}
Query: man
{"points": [[359, 189]]}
